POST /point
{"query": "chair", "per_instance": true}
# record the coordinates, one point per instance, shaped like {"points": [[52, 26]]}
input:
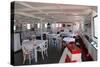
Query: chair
{"points": [[54, 41], [44, 37], [43, 49], [46, 48], [27, 55]]}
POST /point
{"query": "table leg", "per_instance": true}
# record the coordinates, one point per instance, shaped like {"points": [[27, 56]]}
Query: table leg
{"points": [[35, 55]]}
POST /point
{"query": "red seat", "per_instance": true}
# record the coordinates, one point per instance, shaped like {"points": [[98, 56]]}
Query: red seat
{"points": [[68, 59], [73, 48]]}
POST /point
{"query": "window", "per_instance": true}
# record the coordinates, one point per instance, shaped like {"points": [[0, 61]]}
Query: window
{"points": [[14, 27], [60, 25], [28, 26], [95, 32], [56, 24], [38, 25], [45, 25], [95, 27]]}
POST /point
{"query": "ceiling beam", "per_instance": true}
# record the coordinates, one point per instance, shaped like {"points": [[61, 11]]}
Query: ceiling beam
{"points": [[33, 8], [28, 15]]}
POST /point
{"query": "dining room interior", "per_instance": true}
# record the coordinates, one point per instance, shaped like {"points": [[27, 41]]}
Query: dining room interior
{"points": [[45, 33]]}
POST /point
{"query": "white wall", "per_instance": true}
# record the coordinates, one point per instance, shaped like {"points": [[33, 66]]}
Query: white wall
{"points": [[91, 49], [17, 45]]}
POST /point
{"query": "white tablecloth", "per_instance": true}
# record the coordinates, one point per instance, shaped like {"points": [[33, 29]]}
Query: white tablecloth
{"points": [[69, 39], [54, 35], [46, 33], [51, 36], [68, 34]]}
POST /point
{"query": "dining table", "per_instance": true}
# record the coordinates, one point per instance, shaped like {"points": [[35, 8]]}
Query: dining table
{"points": [[56, 37], [68, 39], [32, 45], [53, 35]]}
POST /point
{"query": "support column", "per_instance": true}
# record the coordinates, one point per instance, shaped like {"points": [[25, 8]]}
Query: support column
{"points": [[41, 29]]}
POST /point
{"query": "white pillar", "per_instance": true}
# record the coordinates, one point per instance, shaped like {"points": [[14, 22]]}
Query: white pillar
{"points": [[41, 29]]}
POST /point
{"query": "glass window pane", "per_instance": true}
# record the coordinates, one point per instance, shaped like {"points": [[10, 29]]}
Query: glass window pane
{"points": [[57, 25], [60, 25], [14, 27], [45, 25], [28, 26], [38, 25], [95, 27]]}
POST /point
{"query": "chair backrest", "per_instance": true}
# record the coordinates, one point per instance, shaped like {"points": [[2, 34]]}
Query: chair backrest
{"points": [[44, 37], [46, 45], [42, 47]]}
